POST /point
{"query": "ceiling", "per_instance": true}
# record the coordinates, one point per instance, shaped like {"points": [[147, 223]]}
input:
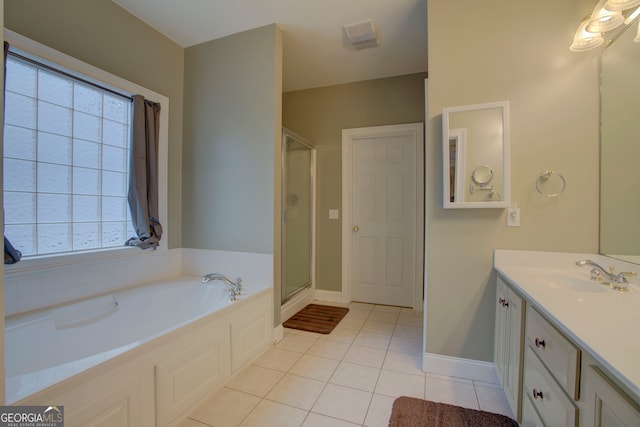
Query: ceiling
{"points": [[315, 53]]}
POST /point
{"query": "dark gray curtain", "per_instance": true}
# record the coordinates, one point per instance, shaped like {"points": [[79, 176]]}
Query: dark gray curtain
{"points": [[11, 254], [143, 174]]}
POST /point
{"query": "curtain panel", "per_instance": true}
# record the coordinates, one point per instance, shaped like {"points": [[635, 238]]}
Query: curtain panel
{"points": [[143, 174]]}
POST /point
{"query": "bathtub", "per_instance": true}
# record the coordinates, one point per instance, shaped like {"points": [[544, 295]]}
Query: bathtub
{"points": [[172, 342]]}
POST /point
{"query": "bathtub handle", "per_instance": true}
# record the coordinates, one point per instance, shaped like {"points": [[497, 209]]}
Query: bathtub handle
{"points": [[233, 287]]}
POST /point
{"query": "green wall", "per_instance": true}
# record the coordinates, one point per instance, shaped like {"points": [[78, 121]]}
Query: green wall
{"points": [[319, 115], [102, 34], [232, 94], [522, 56]]}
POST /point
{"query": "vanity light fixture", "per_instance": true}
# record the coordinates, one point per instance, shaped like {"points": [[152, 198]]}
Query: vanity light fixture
{"points": [[584, 40], [620, 5], [603, 19], [632, 16], [606, 16]]}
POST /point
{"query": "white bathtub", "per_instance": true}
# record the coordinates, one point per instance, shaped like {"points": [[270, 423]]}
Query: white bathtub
{"points": [[160, 330]]}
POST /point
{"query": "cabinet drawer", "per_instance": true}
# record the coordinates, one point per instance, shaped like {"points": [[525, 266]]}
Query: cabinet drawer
{"points": [[550, 402], [530, 417], [560, 356]]}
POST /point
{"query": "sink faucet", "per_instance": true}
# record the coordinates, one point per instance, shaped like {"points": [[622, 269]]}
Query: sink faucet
{"points": [[232, 287], [618, 281]]}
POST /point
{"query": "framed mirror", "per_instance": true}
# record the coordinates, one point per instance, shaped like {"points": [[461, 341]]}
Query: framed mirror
{"points": [[475, 146], [619, 148]]}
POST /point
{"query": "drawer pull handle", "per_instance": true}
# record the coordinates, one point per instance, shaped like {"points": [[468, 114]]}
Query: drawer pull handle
{"points": [[540, 343], [537, 394], [501, 301], [506, 303]]}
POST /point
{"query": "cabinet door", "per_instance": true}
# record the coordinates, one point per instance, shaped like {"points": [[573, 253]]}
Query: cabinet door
{"points": [[499, 356], [508, 342], [606, 405], [513, 332]]}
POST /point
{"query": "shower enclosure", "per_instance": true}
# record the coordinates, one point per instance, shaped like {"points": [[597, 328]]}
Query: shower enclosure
{"points": [[298, 159]]}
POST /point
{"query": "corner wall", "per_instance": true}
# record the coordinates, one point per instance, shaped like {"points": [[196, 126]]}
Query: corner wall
{"points": [[230, 137], [515, 51]]}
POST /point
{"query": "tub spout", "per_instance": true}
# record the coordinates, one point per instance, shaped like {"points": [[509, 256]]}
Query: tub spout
{"points": [[233, 287]]}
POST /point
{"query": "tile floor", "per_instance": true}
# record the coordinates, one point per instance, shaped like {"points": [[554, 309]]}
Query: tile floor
{"points": [[347, 378]]}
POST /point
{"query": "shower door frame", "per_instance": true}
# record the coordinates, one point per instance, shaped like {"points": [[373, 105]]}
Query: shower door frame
{"points": [[290, 299]]}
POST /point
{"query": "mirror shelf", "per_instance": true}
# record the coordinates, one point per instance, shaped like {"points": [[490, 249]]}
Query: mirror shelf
{"points": [[476, 166]]}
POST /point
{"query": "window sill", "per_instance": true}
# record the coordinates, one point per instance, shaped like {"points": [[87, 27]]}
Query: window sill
{"points": [[57, 261]]}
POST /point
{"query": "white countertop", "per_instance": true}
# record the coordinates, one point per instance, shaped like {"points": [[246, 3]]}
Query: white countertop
{"points": [[600, 320]]}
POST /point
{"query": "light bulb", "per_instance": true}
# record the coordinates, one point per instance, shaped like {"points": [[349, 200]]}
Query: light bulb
{"points": [[603, 19], [620, 5], [584, 40]]}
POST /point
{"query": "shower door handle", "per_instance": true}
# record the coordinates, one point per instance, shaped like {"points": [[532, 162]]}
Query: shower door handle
{"points": [[356, 228]]}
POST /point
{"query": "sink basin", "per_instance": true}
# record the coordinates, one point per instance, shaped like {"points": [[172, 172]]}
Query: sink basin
{"points": [[572, 283], [566, 280]]}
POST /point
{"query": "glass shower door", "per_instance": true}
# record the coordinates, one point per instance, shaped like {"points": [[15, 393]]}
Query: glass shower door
{"points": [[297, 228]]}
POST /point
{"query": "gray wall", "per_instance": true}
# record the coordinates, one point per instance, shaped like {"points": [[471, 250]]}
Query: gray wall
{"points": [[104, 35], [232, 110], [553, 92], [319, 115]]}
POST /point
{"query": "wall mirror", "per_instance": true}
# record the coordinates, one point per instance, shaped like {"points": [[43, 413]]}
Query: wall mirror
{"points": [[475, 148], [619, 148]]}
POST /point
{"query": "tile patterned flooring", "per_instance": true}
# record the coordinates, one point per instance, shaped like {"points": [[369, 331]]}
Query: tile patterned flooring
{"points": [[347, 378]]}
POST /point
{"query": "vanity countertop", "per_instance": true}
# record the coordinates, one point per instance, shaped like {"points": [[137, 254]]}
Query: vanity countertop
{"points": [[601, 320]]}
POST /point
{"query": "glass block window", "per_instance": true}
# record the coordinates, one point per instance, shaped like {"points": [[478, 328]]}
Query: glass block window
{"points": [[66, 146]]}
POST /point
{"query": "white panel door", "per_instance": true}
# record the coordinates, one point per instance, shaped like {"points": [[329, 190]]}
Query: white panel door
{"points": [[384, 220]]}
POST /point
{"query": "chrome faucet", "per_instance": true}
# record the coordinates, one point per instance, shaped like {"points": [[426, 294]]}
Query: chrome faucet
{"points": [[232, 287], [618, 281]]}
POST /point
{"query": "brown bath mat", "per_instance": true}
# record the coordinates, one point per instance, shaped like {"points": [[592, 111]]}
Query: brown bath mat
{"points": [[412, 412], [317, 318]]}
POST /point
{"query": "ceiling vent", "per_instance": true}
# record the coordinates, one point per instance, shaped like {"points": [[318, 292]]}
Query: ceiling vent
{"points": [[361, 35]]}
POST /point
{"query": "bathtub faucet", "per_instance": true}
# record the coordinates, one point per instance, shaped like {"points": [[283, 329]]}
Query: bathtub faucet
{"points": [[233, 287]]}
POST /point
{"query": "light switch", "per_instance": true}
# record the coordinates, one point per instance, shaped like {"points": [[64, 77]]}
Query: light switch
{"points": [[334, 214]]}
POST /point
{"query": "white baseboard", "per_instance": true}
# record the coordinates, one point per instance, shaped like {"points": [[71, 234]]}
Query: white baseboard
{"points": [[296, 303], [476, 370], [278, 334], [329, 296]]}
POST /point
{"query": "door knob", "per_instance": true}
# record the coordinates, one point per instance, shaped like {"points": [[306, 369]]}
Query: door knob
{"points": [[356, 228]]}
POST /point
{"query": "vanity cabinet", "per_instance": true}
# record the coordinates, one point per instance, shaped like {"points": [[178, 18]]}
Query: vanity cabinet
{"points": [[549, 379], [508, 342]]}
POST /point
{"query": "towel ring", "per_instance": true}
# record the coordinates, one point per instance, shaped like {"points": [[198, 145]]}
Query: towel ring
{"points": [[544, 176]]}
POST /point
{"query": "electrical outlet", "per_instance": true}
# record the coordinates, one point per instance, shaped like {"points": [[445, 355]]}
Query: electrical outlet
{"points": [[513, 217]]}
